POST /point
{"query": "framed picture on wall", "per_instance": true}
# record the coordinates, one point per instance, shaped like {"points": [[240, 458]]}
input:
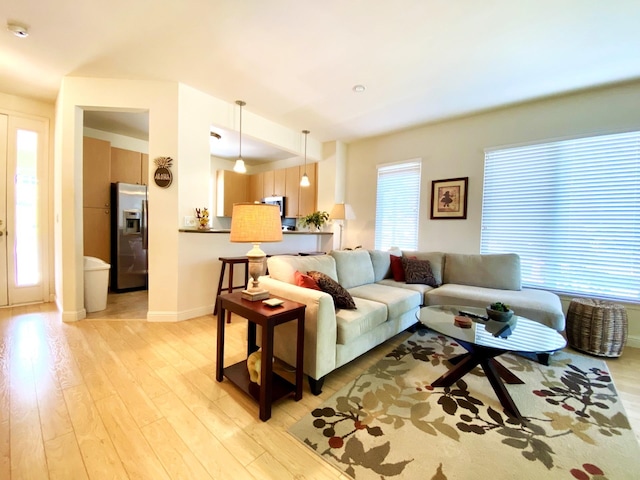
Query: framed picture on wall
{"points": [[449, 199]]}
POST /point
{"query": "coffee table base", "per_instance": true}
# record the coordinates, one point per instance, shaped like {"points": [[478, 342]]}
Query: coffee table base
{"points": [[494, 370]]}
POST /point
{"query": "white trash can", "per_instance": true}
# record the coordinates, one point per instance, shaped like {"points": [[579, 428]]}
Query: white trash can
{"points": [[96, 284]]}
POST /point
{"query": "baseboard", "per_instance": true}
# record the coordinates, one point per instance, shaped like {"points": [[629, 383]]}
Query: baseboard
{"points": [[633, 341], [180, 316]]}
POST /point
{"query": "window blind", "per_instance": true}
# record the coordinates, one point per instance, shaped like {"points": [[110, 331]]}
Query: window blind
{"points": [[571, 210], [398, 206]]}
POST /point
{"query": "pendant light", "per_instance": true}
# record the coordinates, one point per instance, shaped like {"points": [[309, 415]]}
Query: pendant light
{"points": [[239, 165], [304, 181]]}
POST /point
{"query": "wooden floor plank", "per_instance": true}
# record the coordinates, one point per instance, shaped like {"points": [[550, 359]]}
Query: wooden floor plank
{"points": [[175, 455], [136, 454], [64, 458], [98, 453], [213, 455]]}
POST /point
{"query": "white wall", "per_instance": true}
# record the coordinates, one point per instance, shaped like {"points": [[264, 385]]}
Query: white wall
{"points": [[179, 121], [456, 149], [118, 141]]}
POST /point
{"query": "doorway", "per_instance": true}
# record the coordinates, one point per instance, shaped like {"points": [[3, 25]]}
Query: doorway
{"points": [[115, 149], [23, 214]]}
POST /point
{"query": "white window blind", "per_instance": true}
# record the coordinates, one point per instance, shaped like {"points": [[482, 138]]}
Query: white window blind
{"points": [[398, 206], [571, 210]]}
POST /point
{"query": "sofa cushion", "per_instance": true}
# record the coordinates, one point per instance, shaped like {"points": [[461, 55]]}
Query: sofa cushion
{"points": [[501, 271], [351, 324], [283, 267], [341, 297], [397, 300], [418, 271], [381, 262], [415, 287], [303, 280], [538, 305], [436, 260], [354, 267]]}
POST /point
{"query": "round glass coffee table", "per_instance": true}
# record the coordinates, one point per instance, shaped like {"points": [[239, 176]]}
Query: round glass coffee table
{"points": [[486, 339]]}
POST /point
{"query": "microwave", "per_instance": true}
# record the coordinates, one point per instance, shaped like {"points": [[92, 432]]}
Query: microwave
{"points": [[279, 201]]}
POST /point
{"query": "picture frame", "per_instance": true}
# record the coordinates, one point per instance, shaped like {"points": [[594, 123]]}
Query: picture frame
{"points": [[449, 199]]}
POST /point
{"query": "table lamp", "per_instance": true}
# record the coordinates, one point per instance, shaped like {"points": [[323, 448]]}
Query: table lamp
{"points": [[255, 223], [342, 211]]}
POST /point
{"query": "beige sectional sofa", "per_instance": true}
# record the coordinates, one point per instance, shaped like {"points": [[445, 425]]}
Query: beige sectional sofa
{"points": [[386, 307]]}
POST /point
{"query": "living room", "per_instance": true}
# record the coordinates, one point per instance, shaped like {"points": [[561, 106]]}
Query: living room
{"points": [[185, 269]]}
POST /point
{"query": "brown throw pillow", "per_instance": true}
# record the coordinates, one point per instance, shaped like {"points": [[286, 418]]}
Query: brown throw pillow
{"points": [[341, 298], [419, 271]]}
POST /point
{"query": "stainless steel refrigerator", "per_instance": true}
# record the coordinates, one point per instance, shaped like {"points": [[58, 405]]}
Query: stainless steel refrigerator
{"points": [[129, 238]]}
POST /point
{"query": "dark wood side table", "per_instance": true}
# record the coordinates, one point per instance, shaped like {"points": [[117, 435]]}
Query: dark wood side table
{"points": [[272, 386]]}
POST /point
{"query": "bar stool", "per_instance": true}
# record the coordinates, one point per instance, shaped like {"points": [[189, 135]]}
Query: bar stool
{"points": [[232, 261]]}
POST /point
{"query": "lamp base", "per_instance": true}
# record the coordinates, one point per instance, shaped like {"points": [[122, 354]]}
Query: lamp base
{"points": [[254, 295]]}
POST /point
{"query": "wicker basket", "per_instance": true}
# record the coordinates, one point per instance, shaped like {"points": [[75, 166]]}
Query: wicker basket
{"points": [[597, 327]]}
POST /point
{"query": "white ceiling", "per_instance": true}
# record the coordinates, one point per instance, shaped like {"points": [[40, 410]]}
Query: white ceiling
{"points": [[295, 62]]}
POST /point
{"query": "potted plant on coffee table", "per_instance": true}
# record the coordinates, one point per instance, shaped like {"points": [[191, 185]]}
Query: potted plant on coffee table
{"points": [[499, 311], [314, 220]]}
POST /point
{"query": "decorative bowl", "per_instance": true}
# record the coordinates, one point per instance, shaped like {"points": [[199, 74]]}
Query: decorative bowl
{"points": [[498, 315]]}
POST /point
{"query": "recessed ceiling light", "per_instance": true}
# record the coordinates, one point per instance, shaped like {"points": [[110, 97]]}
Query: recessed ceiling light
{"points": [[359, 88], [18, 30]]}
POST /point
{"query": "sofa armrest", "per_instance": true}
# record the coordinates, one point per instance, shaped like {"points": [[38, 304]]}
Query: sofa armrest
{"points": [[320, 329]]}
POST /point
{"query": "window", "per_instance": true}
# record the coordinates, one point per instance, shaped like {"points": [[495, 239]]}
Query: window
{"points": [[398, 206], [571, 210]]}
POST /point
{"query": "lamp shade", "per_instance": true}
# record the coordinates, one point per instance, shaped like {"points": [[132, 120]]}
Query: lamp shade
{"points": [[255, 223], [342, 211]]}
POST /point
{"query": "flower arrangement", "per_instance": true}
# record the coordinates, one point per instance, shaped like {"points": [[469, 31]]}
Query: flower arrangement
{"points": [[203, 218], [316, 219]]}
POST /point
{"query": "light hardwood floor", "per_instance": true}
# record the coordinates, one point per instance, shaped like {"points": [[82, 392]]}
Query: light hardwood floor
{"points": [[130, 399]]}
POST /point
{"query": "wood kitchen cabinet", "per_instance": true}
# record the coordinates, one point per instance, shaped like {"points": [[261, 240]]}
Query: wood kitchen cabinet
{"points": [[144, 170], [97, 233], [274, 183], [231, 188], [292, 191], [308, 195], [126, 166], [256, 187], [96, 165]]}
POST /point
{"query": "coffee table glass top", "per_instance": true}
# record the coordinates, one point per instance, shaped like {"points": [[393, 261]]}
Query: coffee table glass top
{"points": [[522, 334]]}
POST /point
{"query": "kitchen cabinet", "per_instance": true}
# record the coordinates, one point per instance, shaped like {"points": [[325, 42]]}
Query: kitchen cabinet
{"points": [[256, 187], [274, 183], [231, 188], [292, 191], [97, 233], [96, 165], [308, 195], [126, 166], [144, 170]]}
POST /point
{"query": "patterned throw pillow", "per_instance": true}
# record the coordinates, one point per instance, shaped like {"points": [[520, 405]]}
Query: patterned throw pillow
{"points": [[305, 281], [419, 271], [397, 267], [341, 298]]}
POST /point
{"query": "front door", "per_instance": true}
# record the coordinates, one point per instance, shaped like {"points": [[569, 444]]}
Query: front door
{"points": [[23, 213]]}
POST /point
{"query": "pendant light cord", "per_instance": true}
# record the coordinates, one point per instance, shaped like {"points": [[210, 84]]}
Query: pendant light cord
{"points": [[306, 132], [241, 103]]}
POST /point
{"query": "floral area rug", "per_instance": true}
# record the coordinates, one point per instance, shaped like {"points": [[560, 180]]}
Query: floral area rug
{"points": [[390, 423]]}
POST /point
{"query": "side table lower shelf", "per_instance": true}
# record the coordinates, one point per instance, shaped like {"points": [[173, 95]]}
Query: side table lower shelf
{"points": [[239, 376]]}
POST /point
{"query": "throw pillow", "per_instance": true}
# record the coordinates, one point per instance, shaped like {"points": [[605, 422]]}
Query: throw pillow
{"points": [[419, 271], [341, 298], [305, 281], [397, 270]]}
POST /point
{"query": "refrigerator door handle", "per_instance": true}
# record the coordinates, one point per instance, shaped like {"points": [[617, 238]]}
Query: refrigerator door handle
{"points": [[143, 226]]}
